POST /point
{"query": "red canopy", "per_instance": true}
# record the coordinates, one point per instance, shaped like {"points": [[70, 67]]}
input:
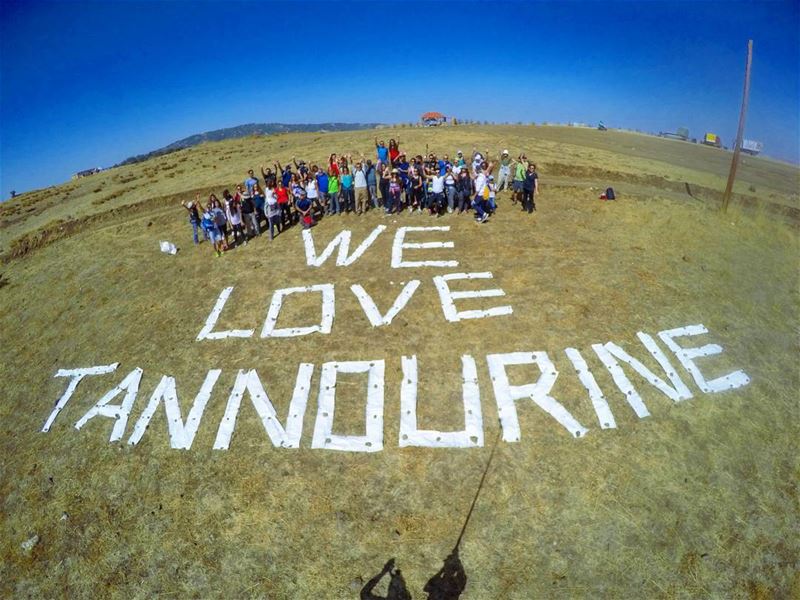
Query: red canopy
{"points": [[432, 115]]}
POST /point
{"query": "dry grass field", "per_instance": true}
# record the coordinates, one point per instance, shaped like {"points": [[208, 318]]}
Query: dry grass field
{"points": [[700, 499]]}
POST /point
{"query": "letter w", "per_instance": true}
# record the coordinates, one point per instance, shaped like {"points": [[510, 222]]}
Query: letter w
{"points": [[342, 240]]}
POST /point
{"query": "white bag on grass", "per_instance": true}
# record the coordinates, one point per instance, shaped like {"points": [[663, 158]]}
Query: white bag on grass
{"points": [[168, 247]]}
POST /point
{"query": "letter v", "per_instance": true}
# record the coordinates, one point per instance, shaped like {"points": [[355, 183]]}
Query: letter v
{"points": [[372, 312]]}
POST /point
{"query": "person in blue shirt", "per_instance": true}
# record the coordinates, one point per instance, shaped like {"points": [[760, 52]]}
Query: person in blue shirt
{"points": [[286, 174], [383, 153], [372, 183], [443, 164], [322, 184], [250, 181]]}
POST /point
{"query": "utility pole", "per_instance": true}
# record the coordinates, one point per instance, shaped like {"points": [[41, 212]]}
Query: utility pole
{"points": [[745, 98]]}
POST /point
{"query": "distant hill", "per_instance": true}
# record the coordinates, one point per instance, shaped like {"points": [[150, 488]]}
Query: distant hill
{"points": [[243, 131]]}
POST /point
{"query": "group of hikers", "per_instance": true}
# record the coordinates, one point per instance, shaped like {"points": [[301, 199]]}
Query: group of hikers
{"points": [[391, 184]]}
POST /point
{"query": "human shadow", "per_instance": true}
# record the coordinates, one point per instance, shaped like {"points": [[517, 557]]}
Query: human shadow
{"points": [[397, 585], [446, 584], [449, 581]]}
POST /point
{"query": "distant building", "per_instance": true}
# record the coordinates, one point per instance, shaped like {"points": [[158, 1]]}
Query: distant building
{"points": [[433, 119], [86, 173]]}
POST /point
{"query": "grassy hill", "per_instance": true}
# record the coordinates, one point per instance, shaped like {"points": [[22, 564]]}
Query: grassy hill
{"points": [[698, 499]]}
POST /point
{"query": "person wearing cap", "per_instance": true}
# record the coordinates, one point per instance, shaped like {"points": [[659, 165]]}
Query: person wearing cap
{"points": [[286, 174], [504, 173], [491, 203], [300, 166], [460, 162]]}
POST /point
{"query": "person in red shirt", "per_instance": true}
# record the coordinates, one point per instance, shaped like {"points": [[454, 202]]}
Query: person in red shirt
{"points": [[333, 165], [282, 194], [394, 150]]}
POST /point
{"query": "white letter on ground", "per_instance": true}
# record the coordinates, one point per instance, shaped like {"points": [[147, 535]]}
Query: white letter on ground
{"points": [[506, 394], [249, 382], [76, 376], [181, 435], [325, 323], [375, 317], [601, 408], [208, 333], [687, 355], [120, 412], [399, 245], [342, 239], [447, 297], [323, 428], [410, 435]]}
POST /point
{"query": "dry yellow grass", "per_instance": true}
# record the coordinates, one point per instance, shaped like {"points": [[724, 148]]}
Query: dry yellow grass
{"points": [[698, 500]]}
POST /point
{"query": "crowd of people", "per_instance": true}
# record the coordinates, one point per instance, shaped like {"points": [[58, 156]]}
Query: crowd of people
{"points": [[391, 184]]}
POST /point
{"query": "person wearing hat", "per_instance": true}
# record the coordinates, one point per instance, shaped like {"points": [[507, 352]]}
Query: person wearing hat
{"points": [[460, 162], [300, 166], [504, 174], [394, 187], [194, 218], [491, 204]]}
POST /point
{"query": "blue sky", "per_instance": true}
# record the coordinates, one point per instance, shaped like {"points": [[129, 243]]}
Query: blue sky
{"points": [[86, 84]]}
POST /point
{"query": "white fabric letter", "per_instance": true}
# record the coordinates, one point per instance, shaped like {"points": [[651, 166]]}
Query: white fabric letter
{"points": [[119, 412], [181, 435], [448, 297], [375, 317], [506, 394], [76, 376], [324, 437], [326, 319], [249, 382], [208, 333], [686, 357], [472, 434], [400, 244]]}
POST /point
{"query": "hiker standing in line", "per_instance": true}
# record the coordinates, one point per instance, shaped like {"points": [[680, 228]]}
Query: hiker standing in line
{"points": [[194, 218], [530, 188], [504, 174], [520, 166]]}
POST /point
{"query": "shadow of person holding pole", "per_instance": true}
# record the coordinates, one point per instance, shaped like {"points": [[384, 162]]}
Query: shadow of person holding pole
{"points": [[397, 585], [450, 580]]}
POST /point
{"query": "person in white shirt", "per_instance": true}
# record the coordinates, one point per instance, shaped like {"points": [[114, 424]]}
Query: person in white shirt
{"points": [[272, 209], [450, 177], [233, 210], [482, 191], [360, 185], [436, 197]]}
